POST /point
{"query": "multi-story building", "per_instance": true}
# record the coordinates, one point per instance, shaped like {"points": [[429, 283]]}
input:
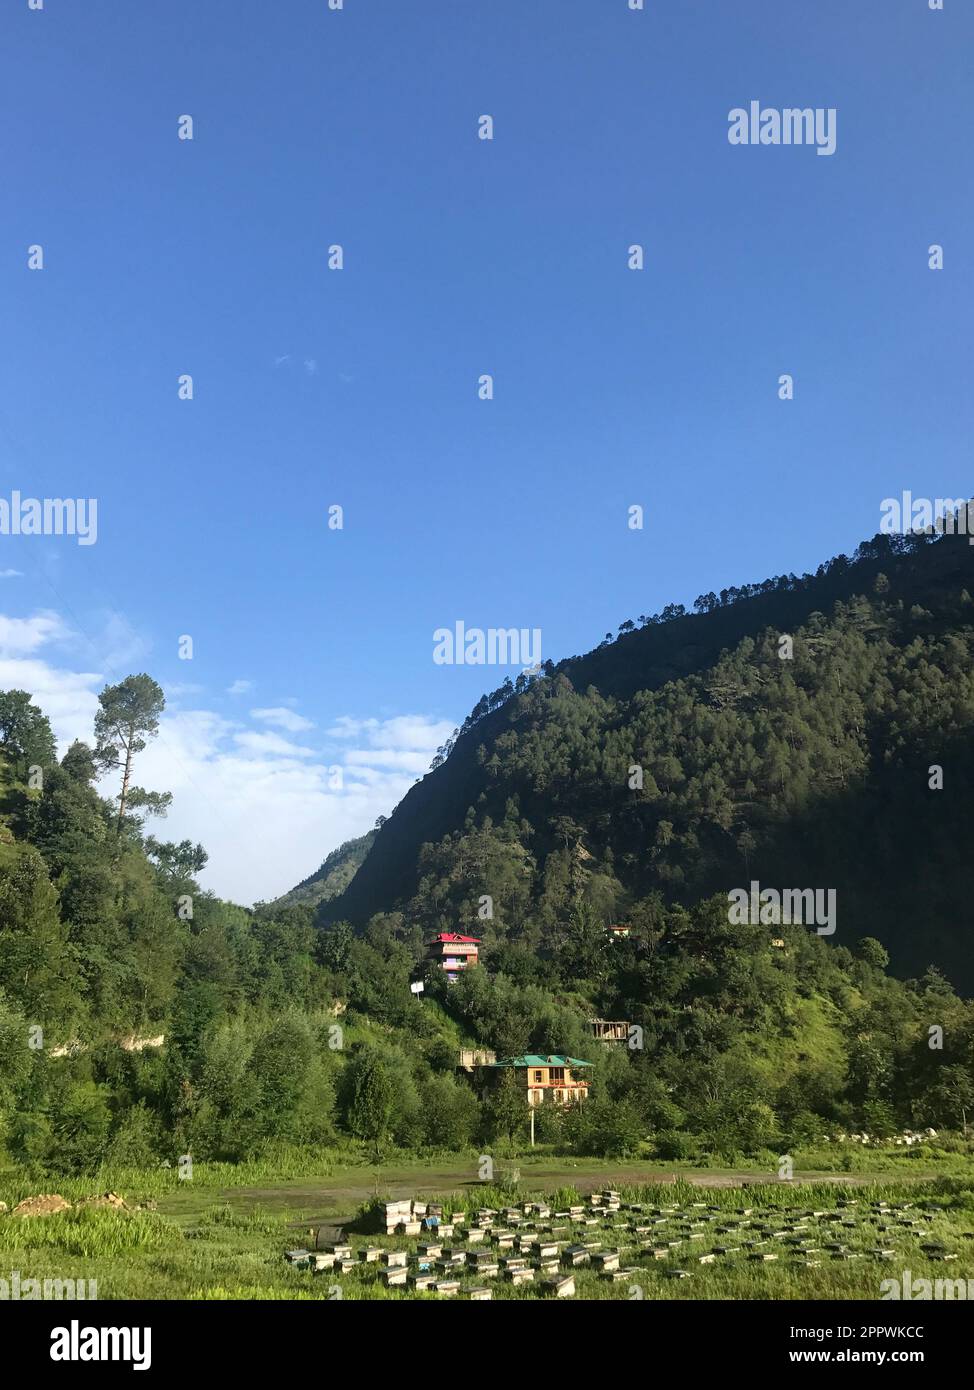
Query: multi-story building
{"points": [[453, 953]]}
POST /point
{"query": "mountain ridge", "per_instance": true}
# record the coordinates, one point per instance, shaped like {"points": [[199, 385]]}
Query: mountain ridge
{"points": [[874, 599]]}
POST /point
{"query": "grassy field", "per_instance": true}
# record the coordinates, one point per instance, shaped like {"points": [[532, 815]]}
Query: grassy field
{"points": [[223, 1235]]}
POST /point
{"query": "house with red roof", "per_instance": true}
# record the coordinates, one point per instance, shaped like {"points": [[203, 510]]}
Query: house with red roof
{"points": [[453, 953]]}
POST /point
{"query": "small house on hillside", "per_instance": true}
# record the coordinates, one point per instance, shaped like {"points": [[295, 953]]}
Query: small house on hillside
{"points": [[453, 953], [618, 931], [550, 1080]]}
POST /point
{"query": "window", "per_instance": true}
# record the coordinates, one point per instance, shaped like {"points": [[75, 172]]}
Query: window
{"points": [[557, 1073], [538, 1076]]}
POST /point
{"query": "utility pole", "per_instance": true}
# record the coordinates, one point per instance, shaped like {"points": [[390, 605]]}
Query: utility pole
{"points": [[531, 1108]]}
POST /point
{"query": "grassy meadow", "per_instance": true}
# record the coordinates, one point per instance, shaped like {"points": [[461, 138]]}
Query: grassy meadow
{"points": [[223, 1234]]}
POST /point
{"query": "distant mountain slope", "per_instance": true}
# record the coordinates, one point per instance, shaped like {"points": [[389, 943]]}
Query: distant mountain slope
{"points": [[333, 877], [803, 772]]}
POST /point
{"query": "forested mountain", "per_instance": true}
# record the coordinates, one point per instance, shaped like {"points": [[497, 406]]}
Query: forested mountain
{"points": [[801, 767], [807, 767], [335, 874]]}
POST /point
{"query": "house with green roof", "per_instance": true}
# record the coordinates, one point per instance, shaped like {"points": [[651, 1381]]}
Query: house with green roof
{"points": [[552, 1080]]}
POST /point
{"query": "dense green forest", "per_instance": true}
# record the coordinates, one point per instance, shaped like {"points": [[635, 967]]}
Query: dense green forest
{"points": [[294, 1023], [812, 770]]}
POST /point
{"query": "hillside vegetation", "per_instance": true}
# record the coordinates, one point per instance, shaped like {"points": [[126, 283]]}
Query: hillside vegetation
{"points": [[335, 874], [291, 1026], [687, 758]]}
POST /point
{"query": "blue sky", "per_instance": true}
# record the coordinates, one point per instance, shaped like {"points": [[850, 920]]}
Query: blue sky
{"points": [[359, 387]]}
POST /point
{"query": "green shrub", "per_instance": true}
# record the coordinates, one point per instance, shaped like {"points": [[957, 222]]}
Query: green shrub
{"points": [[676, 1146]]}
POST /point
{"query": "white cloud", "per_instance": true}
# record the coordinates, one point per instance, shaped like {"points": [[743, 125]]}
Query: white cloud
{"points": [[310, 366], [68, 698], [187, 739], [264, 742], [283, 718], [416, 762], [11, 574], [403, 744], [240, 687], [412, 731], [21, 635], [266, 809]]}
